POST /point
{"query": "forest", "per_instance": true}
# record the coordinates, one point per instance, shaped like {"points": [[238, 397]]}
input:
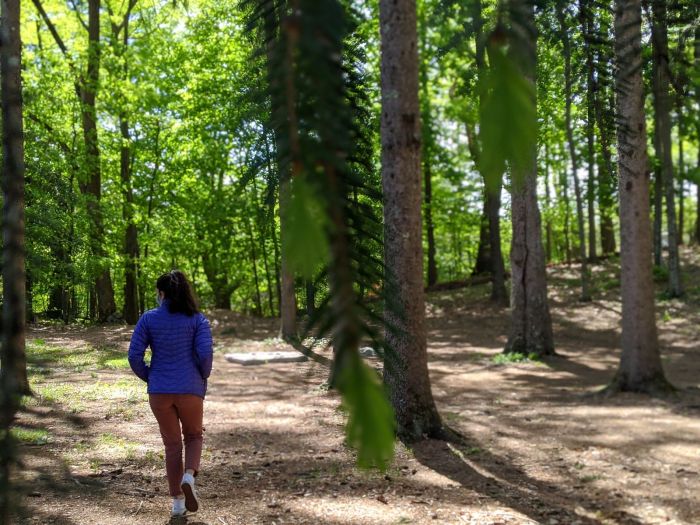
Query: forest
{"points": [[475, 222]]}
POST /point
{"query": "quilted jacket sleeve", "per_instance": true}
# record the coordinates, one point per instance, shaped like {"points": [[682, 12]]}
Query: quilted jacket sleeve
{"points": [[203, 347], [137, 349]]}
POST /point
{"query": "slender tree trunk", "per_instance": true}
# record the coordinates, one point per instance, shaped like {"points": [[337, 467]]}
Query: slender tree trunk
{"points": [[254, 259], [662, 118], [587, 27], [92, 188], [547, 203], [564, 178], [585, 279], [427, 151], [407, 374], [13, 371], [681, 174], [287, 293], [531, 325], [606, 173], [131, 243], [640, 367]]}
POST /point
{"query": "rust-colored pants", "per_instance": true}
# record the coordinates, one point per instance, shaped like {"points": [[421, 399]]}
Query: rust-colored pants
{"points": [[171, 410]]}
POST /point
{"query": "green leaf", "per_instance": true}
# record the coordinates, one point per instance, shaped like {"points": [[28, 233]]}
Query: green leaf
{"points": [[508, 120], [371, 425], [305, 241]]}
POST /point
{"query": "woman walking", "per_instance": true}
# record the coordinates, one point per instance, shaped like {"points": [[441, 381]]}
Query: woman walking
{"points": [[181, 359]]}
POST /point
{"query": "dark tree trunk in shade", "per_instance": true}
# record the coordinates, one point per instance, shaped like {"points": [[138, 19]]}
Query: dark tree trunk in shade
{"points": [[489, 254], [13, 374], [287, 292], [662, 119], [681, 175], [131, 243], [92, 187], [547, 203], [531, 325], [606, 174], [407, 375], [568, 81], [585, 7], [427, 157], [696, 52], [640, 367], [310, 297]]}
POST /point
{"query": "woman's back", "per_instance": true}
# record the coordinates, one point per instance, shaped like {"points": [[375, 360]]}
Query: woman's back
{"points": [[181, 351]]}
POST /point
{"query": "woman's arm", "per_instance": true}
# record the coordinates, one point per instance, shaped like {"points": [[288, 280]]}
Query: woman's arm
{"points": [[137, 349], [203, 347]]}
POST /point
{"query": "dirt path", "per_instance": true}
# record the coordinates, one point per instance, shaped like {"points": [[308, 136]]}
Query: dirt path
{"points": [[539, 451]]}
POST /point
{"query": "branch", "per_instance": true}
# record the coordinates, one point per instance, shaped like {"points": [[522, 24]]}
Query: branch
{"points": [[56, 36], [77, 13]]}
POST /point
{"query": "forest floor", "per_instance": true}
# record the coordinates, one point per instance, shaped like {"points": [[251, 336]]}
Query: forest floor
{"points": [[540, 449]]}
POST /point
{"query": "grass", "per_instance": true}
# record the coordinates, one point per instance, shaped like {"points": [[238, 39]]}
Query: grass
{"points": [[31, 436], [515, 357], [100, 357]]}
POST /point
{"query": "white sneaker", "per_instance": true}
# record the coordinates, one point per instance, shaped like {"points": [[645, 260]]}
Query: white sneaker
{"points": [[178, 507], [191, 499]]}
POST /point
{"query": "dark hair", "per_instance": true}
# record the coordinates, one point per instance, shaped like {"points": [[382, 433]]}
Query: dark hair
{"points": [[178, 291]]}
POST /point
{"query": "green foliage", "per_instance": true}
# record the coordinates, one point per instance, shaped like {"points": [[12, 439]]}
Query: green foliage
{"points": [[508, 117], [370, 425], [515, 357], [30, 436]]}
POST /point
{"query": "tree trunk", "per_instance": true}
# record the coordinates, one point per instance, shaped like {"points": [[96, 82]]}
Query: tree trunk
{"points": [[427, 151], [681, 174], [585, 279], [547, 203], [254, 260], [531, 325], [606, 175], [587, 27], [131, 243], [662, 118], [697, 128], [640, 367], [13, 371], [406, 374], [92, 188]]}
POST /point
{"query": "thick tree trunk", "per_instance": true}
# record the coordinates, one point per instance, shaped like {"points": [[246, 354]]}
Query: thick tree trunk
{"points": [[406, 373], [13, 372], [585, 279], [662, 118], [531, 325], [640, 367]]}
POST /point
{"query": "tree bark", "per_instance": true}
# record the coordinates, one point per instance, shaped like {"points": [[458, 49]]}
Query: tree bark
{"points": [[696, 51], [587, 29], [427, 152], [13, 371], [662, 118], [640, 367], [531, 325], [585, 279], [407, 372]]}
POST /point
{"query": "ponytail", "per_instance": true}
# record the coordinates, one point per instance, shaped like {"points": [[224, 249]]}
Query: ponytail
{"points": [[178, 291]]}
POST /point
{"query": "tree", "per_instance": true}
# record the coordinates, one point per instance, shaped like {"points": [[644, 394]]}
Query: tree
{"points": [[13, 375], [86, 87], [531, 324], [407, 376], [640, 367], [662, 126], [564, 29]]}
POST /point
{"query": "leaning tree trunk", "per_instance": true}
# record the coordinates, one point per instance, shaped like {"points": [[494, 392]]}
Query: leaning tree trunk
{"points": [[13, 374], [640, 367], [407, 379], [662, 118], [585, 280], [531, 325]]}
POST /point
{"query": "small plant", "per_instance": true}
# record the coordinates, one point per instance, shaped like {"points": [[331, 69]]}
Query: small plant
{"points": [[660, 274], [31, 436], [514, 357]]}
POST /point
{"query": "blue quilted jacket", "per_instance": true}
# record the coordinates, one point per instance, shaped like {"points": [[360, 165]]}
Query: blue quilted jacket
{"points": [[181, 351]]}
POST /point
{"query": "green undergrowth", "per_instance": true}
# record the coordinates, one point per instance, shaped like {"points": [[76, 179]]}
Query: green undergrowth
{"points": [[30, 436], [516, 357], [42, 356]]}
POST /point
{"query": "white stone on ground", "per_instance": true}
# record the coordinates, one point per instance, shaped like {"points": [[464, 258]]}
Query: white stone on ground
{"points": [[261, 358]]}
